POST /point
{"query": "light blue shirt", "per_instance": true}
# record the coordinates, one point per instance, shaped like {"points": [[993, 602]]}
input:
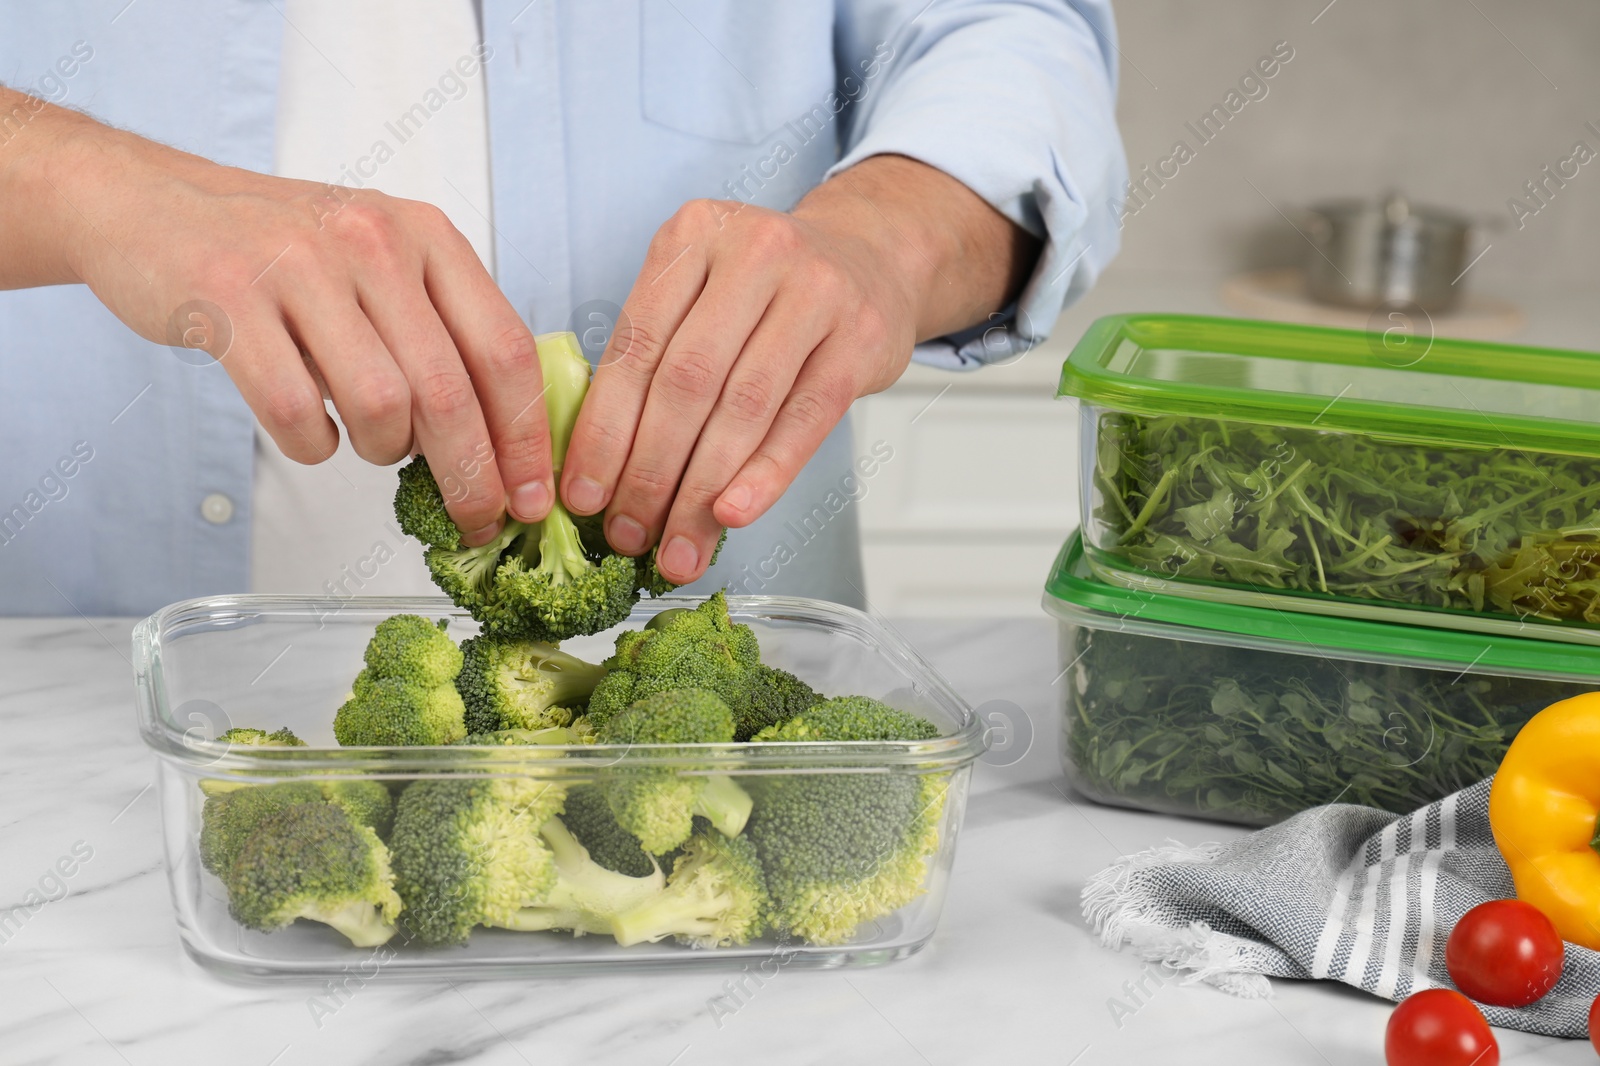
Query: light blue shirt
{"points": [[604, 117]]}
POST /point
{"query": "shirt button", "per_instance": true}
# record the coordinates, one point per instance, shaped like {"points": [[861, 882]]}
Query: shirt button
{"points": [[216, 508]]}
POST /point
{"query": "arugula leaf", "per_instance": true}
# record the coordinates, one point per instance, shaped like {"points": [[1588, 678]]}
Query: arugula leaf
{"points": [[1492, 530], [1253, 736]]}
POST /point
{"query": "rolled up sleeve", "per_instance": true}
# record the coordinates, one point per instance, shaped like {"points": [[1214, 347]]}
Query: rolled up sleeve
{"points": [[1016, 101]]}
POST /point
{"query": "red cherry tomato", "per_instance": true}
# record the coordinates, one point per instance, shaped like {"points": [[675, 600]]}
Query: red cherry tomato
{"points": [[1594, 1023], [1439, 1027], [1504, 952]]}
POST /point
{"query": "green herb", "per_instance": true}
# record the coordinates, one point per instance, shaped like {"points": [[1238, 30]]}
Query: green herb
{"points": [[1487, 530], [1253, 736]]}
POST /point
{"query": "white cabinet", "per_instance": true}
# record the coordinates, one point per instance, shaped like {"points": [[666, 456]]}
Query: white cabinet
{"points": [[982, 489]]}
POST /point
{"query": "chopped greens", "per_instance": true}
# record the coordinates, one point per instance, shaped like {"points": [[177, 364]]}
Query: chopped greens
{"points": [[1493, 530], [1252, 736]]}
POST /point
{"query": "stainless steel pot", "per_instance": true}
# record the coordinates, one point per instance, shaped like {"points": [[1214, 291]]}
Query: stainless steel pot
{"points": [[1370, 253]]}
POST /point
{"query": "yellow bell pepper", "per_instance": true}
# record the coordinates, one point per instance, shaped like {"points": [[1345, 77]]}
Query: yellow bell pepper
{"points": [[1544, 809]]}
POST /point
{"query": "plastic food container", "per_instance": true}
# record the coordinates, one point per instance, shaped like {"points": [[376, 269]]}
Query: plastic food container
{"points": [[202, 666], [1247, 714], [1371, 475]]}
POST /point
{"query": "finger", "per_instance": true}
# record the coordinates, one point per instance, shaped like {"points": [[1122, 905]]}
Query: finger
{"points": [[682, 396], [499, 352], [822, 394], [445, 416], [363, 380], [265, 365], [756, 387], [669, 282]]}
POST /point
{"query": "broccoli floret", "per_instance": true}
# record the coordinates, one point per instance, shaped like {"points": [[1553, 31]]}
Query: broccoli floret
{"points": [[467, 852], [419, 508], [700, 648], [547, 580], [392, 712], [515, 737], [552, 579], [260, 738], [841, 849], [229, 819], [588, 816], [407, 693], [368, 803], [509, 683], [490, 852], [658, 804], [312, 860], [411, 647], [716, 897], [614, 693], [465, 574], [468, 575], [852, 718], [551, 588], [250, 738], [774, 696]]}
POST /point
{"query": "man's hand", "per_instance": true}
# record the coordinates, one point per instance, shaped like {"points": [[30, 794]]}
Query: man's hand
{"points": [[378, 303], [749, 333]]}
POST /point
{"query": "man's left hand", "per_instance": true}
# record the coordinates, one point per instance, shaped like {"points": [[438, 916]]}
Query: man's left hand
{"points": [[749, 333]]}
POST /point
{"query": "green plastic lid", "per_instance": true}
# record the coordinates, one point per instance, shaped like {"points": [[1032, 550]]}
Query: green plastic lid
{"points": [[1404, 387], [1071, 585]]}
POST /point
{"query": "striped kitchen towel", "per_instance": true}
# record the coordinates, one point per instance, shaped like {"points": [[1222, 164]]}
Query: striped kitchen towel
{"points": [[1340, 893]]}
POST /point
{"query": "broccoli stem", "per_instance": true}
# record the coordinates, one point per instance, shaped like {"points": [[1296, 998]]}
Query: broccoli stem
{"points": [[566, 382], [567, 678], [671, 913], [543, 919], [560, 548], [725, 804], [478, 564], [552, 735], [669, 617], [586, 895], [360, 922]]}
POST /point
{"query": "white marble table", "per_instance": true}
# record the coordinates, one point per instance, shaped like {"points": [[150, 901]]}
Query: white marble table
{"points": [[1013, 975]]}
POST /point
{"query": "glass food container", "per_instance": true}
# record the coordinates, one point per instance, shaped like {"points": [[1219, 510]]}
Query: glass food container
{"points": [[203, 666], [1249, 714], [1379, 475]]}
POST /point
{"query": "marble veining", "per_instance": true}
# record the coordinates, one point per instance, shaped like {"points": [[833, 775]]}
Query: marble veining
{"points": [[98, 975]]}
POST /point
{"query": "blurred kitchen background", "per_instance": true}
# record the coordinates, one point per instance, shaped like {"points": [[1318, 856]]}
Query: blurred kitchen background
{"points": [[1459, 103]]}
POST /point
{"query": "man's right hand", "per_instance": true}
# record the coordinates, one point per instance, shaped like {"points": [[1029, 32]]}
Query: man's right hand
{"points": [[381, 298]]}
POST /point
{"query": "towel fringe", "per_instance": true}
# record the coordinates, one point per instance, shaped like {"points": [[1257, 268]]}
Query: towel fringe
{"points": [[1112, 903], [1117, 907], [1202, 954]]}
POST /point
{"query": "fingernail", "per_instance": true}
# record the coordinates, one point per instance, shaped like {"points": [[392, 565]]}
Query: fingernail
{"points": [[585, 495], [626, 535], [737, 498], [478, 538], [530, 502], [679, 557]]}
